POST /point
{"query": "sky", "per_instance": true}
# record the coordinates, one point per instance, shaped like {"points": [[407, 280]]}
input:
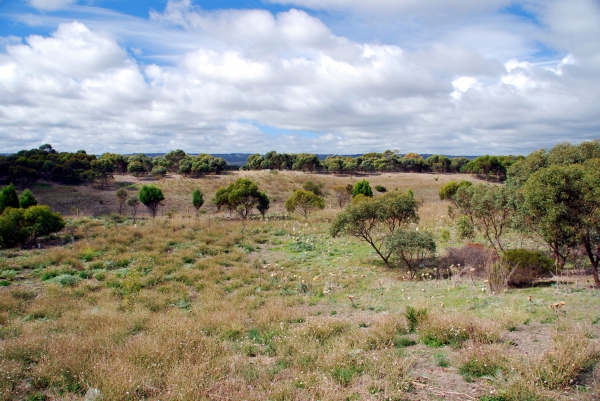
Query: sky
{"points": [[459, 77]]}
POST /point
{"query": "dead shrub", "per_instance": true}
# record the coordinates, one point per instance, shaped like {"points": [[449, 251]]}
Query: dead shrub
{"points": [[470, 256]]}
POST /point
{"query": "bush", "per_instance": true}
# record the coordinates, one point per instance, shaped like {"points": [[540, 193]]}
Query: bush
{"points": [[159, 172], [465, 228], [8, 198], [314, 188], [414, 317], [472, 256], [12, 224], [380, 188], [27, 200], [362, 188], [526, 266]]}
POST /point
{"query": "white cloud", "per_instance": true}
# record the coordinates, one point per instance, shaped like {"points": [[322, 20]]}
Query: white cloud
{"points": [[49, 4], [234, 70]]}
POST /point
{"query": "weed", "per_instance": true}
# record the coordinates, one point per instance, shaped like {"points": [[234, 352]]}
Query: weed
{"points": [[414, 316]]}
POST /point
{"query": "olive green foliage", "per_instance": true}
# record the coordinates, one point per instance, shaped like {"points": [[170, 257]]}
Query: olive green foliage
{"points": [[40, 220], [314, 188], [304, 202], [12, 227], [448, 190], [465, 228], [410, 248], [27, 200], [240, 196], [526, 266], [414, 317], [159, 171], [151, 196], [18, 226], [489, 209], [197, 200], [362, 188], [8, 197], [380, 188], [373, 219], [102, 170]]}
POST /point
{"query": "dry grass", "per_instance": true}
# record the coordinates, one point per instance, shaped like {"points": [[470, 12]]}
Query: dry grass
{"points": [[175, 309]]}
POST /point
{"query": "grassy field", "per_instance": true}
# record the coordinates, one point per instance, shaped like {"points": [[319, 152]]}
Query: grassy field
{"points": [[186, 308]]}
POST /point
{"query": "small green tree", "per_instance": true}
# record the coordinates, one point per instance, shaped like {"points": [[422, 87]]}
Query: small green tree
{"points": [[263, 204], [8, 197], [197, 200], [410, 248], [103, 170], [151, 196], [12, 224], [159, 172], [133, 203], [121, 196], [27, 200], [314, 188], [242, 196], [304, 202], [136, 169], [373, 219], [40, 220], [362, 188]]}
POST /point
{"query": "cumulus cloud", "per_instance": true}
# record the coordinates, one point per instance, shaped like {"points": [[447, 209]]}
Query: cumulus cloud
{"points": [[241, 70]]}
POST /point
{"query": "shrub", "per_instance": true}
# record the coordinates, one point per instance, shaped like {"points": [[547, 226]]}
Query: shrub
{"points": [[12, 224], [465, 228], [314, 188], [40, 220], [362, 188], [472, 256], [197, 200], [8, 198], [159, 172], [526, 266], [414, 317], [304, 203], [380, 188], [27, 200]]}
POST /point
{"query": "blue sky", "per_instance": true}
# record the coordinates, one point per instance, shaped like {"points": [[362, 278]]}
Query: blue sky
{"points": [[325, 76]]}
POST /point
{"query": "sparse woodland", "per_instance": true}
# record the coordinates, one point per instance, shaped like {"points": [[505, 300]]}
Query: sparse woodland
{"points": [[475, 281]]}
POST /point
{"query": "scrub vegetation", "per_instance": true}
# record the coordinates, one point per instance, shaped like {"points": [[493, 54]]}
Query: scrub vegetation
{"points": [[212, 299]]}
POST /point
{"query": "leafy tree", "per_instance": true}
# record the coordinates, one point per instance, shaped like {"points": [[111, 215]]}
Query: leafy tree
{"points": [[304, 202], [307, 162], [448, 190], [133, 202], [263, 203], [373, 219], [121, 196], [12, 224], [314, 188], [173, 158], [362, 188], [489, 209], [551, 204], [23, 174], [197, 200], [8, 197], [151, 196], [439, 163], [159, 172], [27, 200], [410, 248], [103, 170], [242, 196], [40, 220], [136, 169]]}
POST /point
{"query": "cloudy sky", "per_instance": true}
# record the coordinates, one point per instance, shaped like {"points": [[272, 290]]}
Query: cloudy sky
{"points": [[322, 76]]}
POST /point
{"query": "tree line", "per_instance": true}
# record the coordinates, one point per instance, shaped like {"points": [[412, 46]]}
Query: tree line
{"points": [[79, 167]]}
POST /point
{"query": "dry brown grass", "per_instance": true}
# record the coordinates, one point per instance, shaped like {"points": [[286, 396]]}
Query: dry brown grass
{"points": [[175, 309]]}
